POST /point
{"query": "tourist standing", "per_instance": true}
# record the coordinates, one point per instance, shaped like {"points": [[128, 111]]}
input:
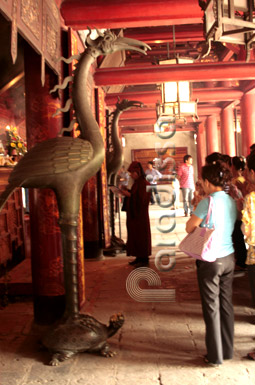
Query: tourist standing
{"points": [[215, 278], [186, 178], [152, 176], [138, 222]]}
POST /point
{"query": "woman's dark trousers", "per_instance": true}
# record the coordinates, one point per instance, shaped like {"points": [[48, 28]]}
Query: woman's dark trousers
{"points": [[215, 285]]}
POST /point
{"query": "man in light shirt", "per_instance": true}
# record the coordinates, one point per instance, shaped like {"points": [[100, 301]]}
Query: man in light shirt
{"points": [[186, 178], [152, 176]]}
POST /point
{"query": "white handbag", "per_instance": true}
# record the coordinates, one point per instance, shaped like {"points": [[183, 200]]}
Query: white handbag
{"points": [[200, 243]]}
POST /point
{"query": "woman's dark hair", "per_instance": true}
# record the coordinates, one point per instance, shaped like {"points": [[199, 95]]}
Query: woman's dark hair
{"points": [[252, 147], [213, 158], [238, 163], [186, 157], [250, 161], [216, 174], [226, 159]]}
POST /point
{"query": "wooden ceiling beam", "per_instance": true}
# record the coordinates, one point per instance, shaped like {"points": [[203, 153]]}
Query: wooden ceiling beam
{"points": [[137, 122], [80, 14], [161, 50], [12, 83], [150, 118], [158, 35], [195, 72], [141, 113], [152, 97]]}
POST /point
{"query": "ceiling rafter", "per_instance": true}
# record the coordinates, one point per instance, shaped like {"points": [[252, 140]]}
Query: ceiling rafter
{"points": [[171, 28]]}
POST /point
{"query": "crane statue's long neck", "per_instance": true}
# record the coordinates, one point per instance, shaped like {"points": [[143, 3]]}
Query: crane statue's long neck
{"points": [[87, 123], [117, 147]]}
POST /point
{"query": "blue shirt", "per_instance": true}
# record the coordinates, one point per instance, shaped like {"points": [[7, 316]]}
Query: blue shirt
{"points": [[223, 217]]}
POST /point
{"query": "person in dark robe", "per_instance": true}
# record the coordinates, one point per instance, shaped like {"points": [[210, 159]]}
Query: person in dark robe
{"points": [[138, 222]]}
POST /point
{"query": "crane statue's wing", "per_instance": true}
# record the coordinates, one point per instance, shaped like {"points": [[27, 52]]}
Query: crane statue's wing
{"points": [[51, 157]]}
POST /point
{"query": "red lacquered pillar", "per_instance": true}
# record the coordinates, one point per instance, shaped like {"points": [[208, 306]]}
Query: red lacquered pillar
{"points": [[228, 141], [90, 208], [201, 147], [212, 141], [247, 122], [47, 267]]}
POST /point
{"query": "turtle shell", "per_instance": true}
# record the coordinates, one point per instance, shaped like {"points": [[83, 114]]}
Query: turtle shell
{"points": [[77, 334]]}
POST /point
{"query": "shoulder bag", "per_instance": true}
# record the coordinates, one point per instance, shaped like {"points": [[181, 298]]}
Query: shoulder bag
{"points": [[200, 243]]}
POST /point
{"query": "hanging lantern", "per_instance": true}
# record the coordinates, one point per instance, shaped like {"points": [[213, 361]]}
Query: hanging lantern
{"points": [[230, 21]]}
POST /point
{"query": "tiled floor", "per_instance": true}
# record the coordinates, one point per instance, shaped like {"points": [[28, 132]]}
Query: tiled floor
{"points": [[162, 339]]}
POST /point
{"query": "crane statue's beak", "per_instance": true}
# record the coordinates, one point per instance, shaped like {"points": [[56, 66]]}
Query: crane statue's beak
{"points": [[108, 42], [124, 43], [126, 104], [135, 103]]}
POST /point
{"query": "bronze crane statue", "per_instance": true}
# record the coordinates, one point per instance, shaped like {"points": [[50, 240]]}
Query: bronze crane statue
{"points": [[114, 155], [114, 161], [64, 164]]}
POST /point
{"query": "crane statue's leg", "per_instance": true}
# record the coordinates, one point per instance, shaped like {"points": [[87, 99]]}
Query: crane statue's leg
{"points": [[75, 332], [68, 199], [68, 227], [69, 331]]}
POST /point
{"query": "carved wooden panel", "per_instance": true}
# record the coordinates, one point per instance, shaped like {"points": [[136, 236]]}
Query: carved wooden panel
{"points": [[11, 224], [38, 21], [51, 34], [6, 7], [29, 20]]}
